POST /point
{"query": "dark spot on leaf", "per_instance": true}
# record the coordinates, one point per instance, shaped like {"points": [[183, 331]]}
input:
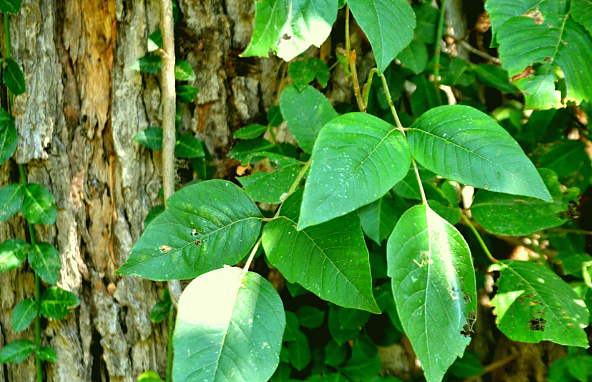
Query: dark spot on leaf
{"points": [[537, 323], [197, 243], [468, 327]]}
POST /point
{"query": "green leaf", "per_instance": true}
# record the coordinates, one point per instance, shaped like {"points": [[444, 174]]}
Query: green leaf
{"points": [[244, 150], [467, 366], [231, 335], [451, 214], [559, 41], [335, 354], [155, 40], [533, 304], [56, 303], [268, 187], [186, 93], [288, 28], [465, 145], [353, 152], [250, 132], [10, 6], [427, 17], [274, 116], [495, 77], [150, 376], [183, 71], [206, 225], [147, 64], [300, 354], [23, 314], [292, 327], [415, 56], [388, 24], [539, 92], [581, 11], [310, 317], [13, 77], [364, 362], [282, 374], [160, 311], [513, 215], [425, 96], [339, 333], [306, 112], [380, 217], [8, 142], [45, 261], [331, 260], [16, 351], [11, 199], [434, 287], [303, 72], [187, 146], [38, 205], [151, 138], [153, 213], [12, 254], [352, 318], [48, 354]]}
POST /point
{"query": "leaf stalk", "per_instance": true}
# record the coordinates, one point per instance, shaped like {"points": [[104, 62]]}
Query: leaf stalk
{"points": [[479, 239], [351, 59]]}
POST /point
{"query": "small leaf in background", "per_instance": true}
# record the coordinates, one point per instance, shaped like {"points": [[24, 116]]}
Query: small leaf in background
{"points": [[451, 214], [5, 118], [12, 254], [427, 18], [13, 77], [183, 71], [380, 217], [339, 333], [162, 308], [581, 11], [389, 25], [250, 132], [8, 142], [45, 261], [186, 93], [533, 304], [151, 138], [228, 327], [306, 112], [467, 366], [282, 373], [207, 225], [243, 150], [414, 57], [23, 314], [292, 327], [463, 144], [321, 69], [495, 77], [335, 354], [364, 362], [16, 351], [10, 6], [268, 187], [355, 151], [310, 317], [155, 40], [304, 72], [38, 205], [458, 73], [425, 96], [149, 376], [153, 213], [147, 64], [11, 199], [56, 303], [300, 354], [187, 146], [48, 354]]}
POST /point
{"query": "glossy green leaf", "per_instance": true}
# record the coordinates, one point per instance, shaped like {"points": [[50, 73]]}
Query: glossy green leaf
{"points": [[187, 146], [56, 303], [183, 71], [306, 112], [300, 354], [228, 329], [206, 225], [48, 354], [533, 304], [268, 187], [155, 40], [415, 56], [16, 351], [244, 150], [11, 199], [465, 145], [434, 287], [12, 254], [495, 77], [330, 260], [151, 138], [310, 317], [380, 217], [353, 152], [45, 261], [13, 77], [8, 142], [10, 6], [505, 214], [389, 25], [250, 132], [23, 314], [581, 11], [186, 93], [147, 64], [38, 205], [364, 362]]}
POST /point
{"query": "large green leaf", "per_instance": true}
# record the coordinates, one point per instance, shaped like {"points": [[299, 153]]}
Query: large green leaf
{"points": [[581, 11], [23, 314], [434, 287], [206, 226], [389, 25], [228, 329], [331, 259], [45, 261], [306, 112], [8, 142], [12, 254], [16, 351], [13, 77], [505, 214], [56, 303], [533, 304], [559, 41], [465, 145], [11, 199], [357, 158], [38, 205], [289, 27], [380, 217]]}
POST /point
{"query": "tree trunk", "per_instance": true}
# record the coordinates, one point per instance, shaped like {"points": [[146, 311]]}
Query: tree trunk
{"points": [[76, 121]]}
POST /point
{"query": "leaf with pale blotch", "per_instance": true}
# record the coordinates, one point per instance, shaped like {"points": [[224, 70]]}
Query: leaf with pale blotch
{"points": [[45, 261], [12, 254], [56, 303], [16, 351], [38, 204], [151, 138], [11, 199]]}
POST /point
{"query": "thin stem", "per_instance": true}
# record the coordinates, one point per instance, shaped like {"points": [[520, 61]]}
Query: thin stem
{"points": [[299, 177], [169, 371], [491, 367], [439, 48], [570, 230], [250, 259], [275, 142], [351, 58], [8, 54], [368, 86], [479, 239]]}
